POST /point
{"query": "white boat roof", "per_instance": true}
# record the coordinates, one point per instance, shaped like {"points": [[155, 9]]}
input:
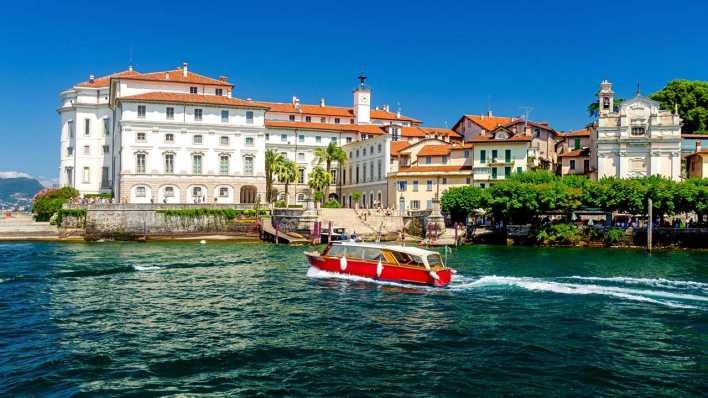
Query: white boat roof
{"points": [[416, 251]]}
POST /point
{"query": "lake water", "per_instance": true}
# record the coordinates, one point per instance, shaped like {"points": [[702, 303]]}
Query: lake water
{"points": [[130, 319]]}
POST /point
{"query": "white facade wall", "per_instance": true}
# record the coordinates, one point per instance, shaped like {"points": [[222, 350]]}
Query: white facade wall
{"points": [[372, 155], [639, 140]]}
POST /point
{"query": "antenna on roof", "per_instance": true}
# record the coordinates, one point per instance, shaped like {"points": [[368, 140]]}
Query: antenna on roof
{"points": [[527, 111], [489, 105], [130, 58], [639, 93]]}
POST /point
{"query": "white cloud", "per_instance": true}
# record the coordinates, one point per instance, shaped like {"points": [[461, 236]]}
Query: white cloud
{"points": [[48, 181], [14, 174]]}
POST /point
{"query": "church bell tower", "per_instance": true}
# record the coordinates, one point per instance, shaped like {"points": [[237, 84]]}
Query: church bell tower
{"points": [[606, 98]]}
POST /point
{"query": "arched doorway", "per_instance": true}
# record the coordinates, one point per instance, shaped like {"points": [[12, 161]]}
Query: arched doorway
{"points": [[333, 196], [248, 194]]}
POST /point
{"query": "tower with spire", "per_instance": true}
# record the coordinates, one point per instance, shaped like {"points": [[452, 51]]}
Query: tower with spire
{"points": [[362, 102]]}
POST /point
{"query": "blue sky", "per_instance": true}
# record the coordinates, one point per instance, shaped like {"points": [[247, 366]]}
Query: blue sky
{"points": [[438, 59]]}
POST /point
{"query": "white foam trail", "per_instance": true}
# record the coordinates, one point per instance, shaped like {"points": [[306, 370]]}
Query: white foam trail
{"points": [[144, 268], [534, 284], [660, 282], [314, 272]]}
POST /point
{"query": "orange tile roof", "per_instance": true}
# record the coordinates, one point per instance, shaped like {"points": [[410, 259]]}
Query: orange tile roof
{"points": [[575, 153], [423, 169], [485, 139], [334, 111], [488, 122], [177, 75], [413, 131], [577, 133], [434, 150], [355, 128], [160, 96], [103, 81], [398, 146]]}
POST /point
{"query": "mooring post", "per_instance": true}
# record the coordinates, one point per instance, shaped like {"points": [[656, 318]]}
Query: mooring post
{"points": [[650, 227], [329, 238], [277, 228]]}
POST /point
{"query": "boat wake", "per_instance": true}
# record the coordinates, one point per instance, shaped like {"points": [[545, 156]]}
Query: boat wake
{"points": [[146, 268], [678, 294], [665, 292]]}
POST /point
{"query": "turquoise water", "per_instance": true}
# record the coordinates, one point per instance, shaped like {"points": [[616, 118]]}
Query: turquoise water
{"points": [[127, 319]]}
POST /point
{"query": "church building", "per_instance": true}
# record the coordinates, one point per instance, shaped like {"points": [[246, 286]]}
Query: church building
{"points": [[636, 138]]}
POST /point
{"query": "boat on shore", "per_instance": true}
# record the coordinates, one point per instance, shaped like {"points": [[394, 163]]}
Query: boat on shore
{"points": [[391, 263]]}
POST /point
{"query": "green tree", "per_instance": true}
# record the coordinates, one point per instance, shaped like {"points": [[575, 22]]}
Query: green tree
{"points": [[319, 179], [356, 197], [691, 99], [286, 170], [273, 159], [459, 202], [50, 201], [330, 153]]}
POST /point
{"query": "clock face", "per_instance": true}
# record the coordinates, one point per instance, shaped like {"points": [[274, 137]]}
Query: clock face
{"points": [[364, 99]]}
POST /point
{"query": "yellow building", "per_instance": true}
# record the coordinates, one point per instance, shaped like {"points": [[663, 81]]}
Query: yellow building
{"points": [[573, 150], [425, 170], [499, 154], [697, 163]]}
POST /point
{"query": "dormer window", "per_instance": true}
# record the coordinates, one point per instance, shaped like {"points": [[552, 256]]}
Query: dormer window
{"points": [[219, 92], [336, 120], [193, 90], [308, 119], [291, 118], [323, 120]]}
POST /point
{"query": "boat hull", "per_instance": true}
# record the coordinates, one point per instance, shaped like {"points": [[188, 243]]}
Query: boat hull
{"points": [[389, 273]]}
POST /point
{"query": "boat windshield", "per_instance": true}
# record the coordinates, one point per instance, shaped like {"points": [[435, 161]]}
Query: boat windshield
{"points": [[405, 258], [434, 259], [337, 251]]}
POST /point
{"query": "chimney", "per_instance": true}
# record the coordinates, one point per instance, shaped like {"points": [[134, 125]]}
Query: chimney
{"points": [[167, 75], [130, 67], [385, 107], [295, 100], [489, 113], [322, 102], [698, 146], [223, 78], [185, 72], [398, 113], [92, 78]]}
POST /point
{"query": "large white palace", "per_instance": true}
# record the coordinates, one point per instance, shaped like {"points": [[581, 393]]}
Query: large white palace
{"points": [[635, 139], [181, 137]]}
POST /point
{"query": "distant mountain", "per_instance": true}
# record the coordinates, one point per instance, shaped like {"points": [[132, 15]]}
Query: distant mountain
{"points": [[18, 189]]}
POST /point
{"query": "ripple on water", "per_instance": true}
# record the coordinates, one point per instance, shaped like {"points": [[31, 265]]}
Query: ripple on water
{"points": [[242, 320]]}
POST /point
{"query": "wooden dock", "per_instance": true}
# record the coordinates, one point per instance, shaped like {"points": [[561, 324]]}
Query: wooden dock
{"points": [[290, 238]]}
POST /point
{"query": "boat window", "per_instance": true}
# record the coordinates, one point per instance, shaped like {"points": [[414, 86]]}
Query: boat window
{"points": [[434, 259], [408, 259], [355, 252], [337, 251], [372, 254]]}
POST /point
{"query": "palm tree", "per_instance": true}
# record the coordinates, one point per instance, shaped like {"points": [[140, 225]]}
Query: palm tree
{"points": [[330, 153], [272, 163], [287, 174], [319, 179]]}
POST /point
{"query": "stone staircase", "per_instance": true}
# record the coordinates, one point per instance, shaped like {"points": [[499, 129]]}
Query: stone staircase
{"points": [[355, 221]]}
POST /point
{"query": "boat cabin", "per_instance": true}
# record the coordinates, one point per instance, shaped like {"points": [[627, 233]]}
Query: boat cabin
{"points": [[392, 255]]}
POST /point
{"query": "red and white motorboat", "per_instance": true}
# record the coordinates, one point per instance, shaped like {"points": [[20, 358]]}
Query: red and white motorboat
{"points": [[383, 262]]}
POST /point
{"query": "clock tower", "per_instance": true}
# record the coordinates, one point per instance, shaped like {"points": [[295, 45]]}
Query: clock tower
{"points": [[362, 102], [606, 98]]}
